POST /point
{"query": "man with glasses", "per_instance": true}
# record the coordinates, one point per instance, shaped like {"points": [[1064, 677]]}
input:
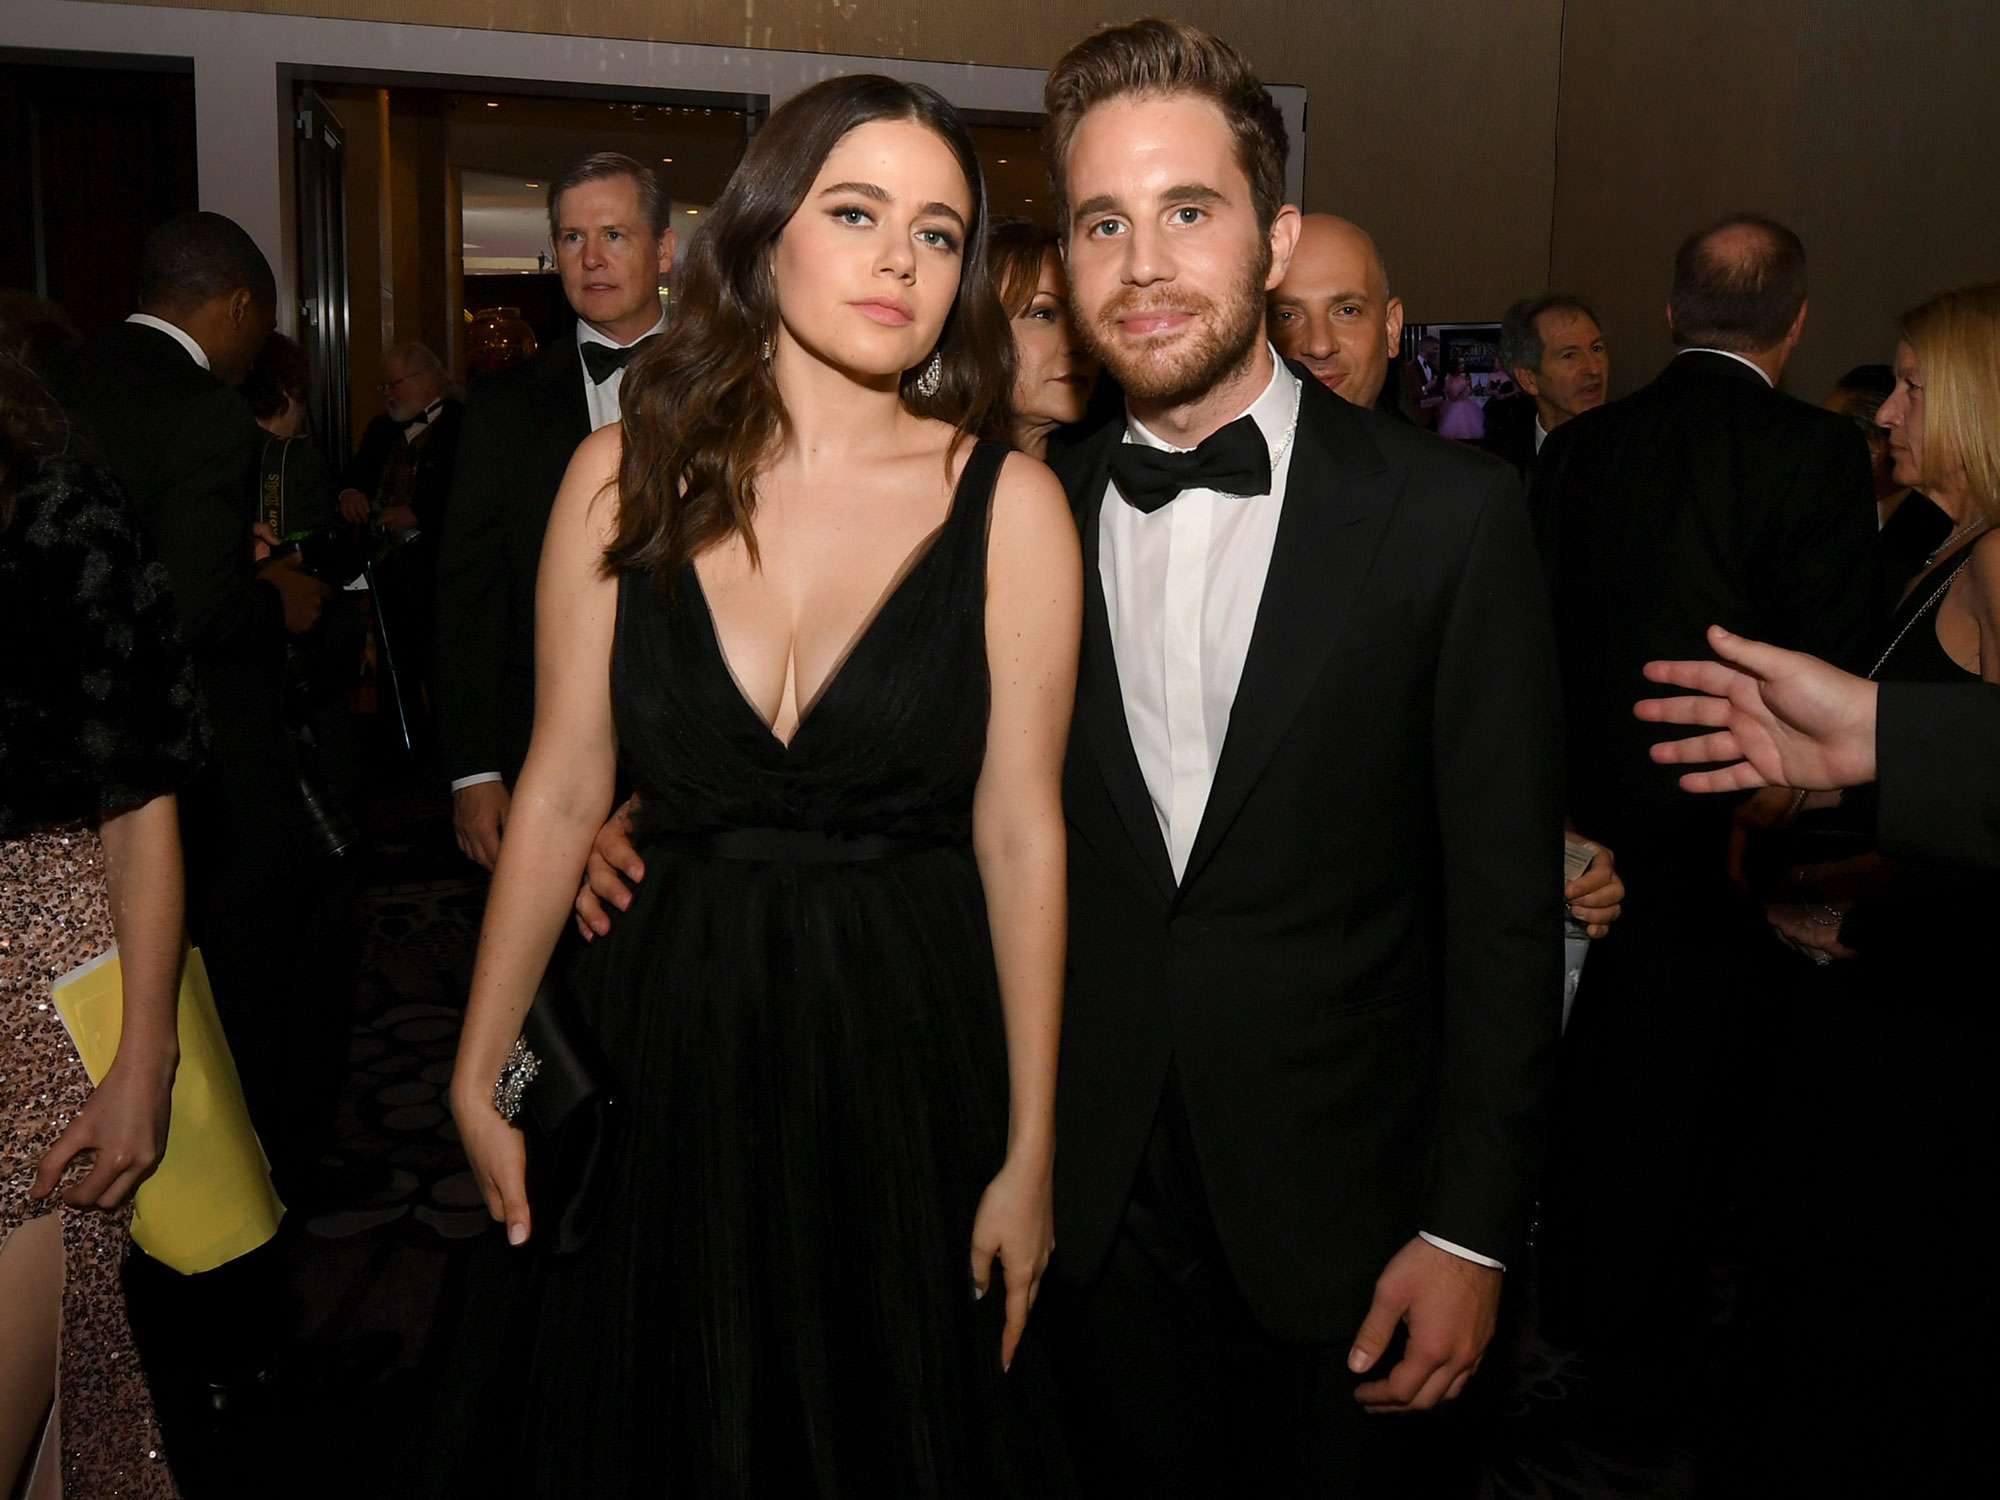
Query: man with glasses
{"points": [[401, 474]]}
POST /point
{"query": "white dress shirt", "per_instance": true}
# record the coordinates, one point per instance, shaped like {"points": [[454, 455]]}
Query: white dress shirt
{"points": [[602, 403], [175, 332], [1541, 433], [1748, 364], [603, 399], [1182, 586]]}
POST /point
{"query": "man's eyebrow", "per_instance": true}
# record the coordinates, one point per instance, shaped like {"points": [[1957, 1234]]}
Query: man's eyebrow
{"points": [[1103, 203], [1192, 192]]}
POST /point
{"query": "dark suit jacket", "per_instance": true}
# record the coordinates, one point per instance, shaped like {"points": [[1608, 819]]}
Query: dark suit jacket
{"points": [[184, 446], [1510, 433], [1937, 750], [435, 461], [521, 428], [1706, 498], [1359, 977]]}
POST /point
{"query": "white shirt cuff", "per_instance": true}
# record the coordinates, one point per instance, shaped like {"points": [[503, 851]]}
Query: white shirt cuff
{"points": [[1460, 1251], [465, 781]]}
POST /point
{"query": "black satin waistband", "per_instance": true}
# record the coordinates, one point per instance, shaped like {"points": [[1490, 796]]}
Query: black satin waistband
{"points": [[800, 846]]}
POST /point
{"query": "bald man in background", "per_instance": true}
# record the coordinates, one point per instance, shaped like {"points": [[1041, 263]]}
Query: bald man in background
{"points": [[1333, 312]]}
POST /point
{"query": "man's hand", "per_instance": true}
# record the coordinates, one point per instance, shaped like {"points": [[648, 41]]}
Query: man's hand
{"points": [[1783, 718], [354, 507], [399, 519], [301, 594], [1450, 1306], [1597, 896], [612, 862], [479, 817]]}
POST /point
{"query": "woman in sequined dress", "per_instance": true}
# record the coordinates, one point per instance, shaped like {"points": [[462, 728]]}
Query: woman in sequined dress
{"points": [[98, 725]]}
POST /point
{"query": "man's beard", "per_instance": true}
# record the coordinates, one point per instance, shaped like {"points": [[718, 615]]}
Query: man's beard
{"points": [[1225, 333]]}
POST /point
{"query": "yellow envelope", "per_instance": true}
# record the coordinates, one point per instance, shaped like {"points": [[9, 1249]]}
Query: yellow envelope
{"points": [[212, 1198]]}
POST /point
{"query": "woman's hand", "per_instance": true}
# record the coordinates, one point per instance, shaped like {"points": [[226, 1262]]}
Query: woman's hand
{"points": [[499, 1157], [125, 1125], [1811, 928], [1016, 1224]]}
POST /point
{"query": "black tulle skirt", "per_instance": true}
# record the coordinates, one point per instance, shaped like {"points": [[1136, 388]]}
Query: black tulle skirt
{"points": [[777, 1300]]}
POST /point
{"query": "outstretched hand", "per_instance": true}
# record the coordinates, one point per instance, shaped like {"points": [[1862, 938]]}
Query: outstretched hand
{"points": [[1781, 718]]}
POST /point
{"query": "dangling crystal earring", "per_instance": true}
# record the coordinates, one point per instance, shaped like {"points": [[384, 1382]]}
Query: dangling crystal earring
{"points": [[933, 372], [765, 351]]}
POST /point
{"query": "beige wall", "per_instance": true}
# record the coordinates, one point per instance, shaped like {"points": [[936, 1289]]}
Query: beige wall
{"points": [[1874, 133], [1494, 146], [1431, 123]]}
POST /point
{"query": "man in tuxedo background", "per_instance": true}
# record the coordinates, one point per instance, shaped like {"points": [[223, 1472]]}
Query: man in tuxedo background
{"points": [[609, 219], [1334, 312], [401, 473], [1707, 497], [1312, 799], [1554, 348], [399, 479], [156, 395]]}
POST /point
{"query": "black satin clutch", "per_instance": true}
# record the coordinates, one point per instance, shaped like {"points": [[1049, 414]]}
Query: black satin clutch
{"points": [[557, 1086]]}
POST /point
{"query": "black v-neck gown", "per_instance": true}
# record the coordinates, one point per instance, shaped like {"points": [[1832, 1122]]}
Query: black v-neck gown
{"points": [[802, 1004]]}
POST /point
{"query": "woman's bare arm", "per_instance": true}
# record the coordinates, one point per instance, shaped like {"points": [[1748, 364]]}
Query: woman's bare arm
{"points": [[559, 802], [125, 1121], [1034, 617]]}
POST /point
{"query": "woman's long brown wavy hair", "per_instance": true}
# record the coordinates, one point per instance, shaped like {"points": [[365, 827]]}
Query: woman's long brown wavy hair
{"points": [[701, 408]]}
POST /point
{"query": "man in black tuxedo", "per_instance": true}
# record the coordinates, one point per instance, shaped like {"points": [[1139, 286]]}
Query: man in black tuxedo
{"points": [[609, 219], [1707, 497], [401, 472], [1553, 347], [1313, 797], [157, 397]]}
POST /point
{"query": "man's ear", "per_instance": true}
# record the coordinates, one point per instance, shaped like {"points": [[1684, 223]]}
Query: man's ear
{"points": [[1392, 325], [239, 307], [1525, 379], [1284, 240], [1798, 328], [668, 242]]}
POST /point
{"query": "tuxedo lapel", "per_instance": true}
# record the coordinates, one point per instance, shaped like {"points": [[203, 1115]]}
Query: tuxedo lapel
{"points": [[565, 377], [1100, 699], [1339, 493]]}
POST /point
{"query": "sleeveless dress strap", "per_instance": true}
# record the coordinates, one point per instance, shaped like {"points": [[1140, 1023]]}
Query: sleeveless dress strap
{"points": [[975, 483]]}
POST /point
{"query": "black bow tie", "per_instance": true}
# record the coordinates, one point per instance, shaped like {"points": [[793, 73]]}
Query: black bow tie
{"points": [[603, 361], [428, 414], [1232, 461]]}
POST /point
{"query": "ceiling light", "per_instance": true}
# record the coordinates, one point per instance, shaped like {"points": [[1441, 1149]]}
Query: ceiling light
{"points": [[492, 103], [1003, 161], [692, 212], [668, 160], [531, 184]]}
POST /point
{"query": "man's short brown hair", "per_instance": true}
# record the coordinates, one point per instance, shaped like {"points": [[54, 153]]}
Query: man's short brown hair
{"points": [[1158, 58]]}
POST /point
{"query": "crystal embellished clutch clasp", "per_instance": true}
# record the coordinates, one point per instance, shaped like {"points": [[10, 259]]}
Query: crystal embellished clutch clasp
{"points": [[516, 1073]]}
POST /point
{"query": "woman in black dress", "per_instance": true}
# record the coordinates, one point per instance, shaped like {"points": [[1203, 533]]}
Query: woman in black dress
{"points": [[1883, 1126], [834, 641]]}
